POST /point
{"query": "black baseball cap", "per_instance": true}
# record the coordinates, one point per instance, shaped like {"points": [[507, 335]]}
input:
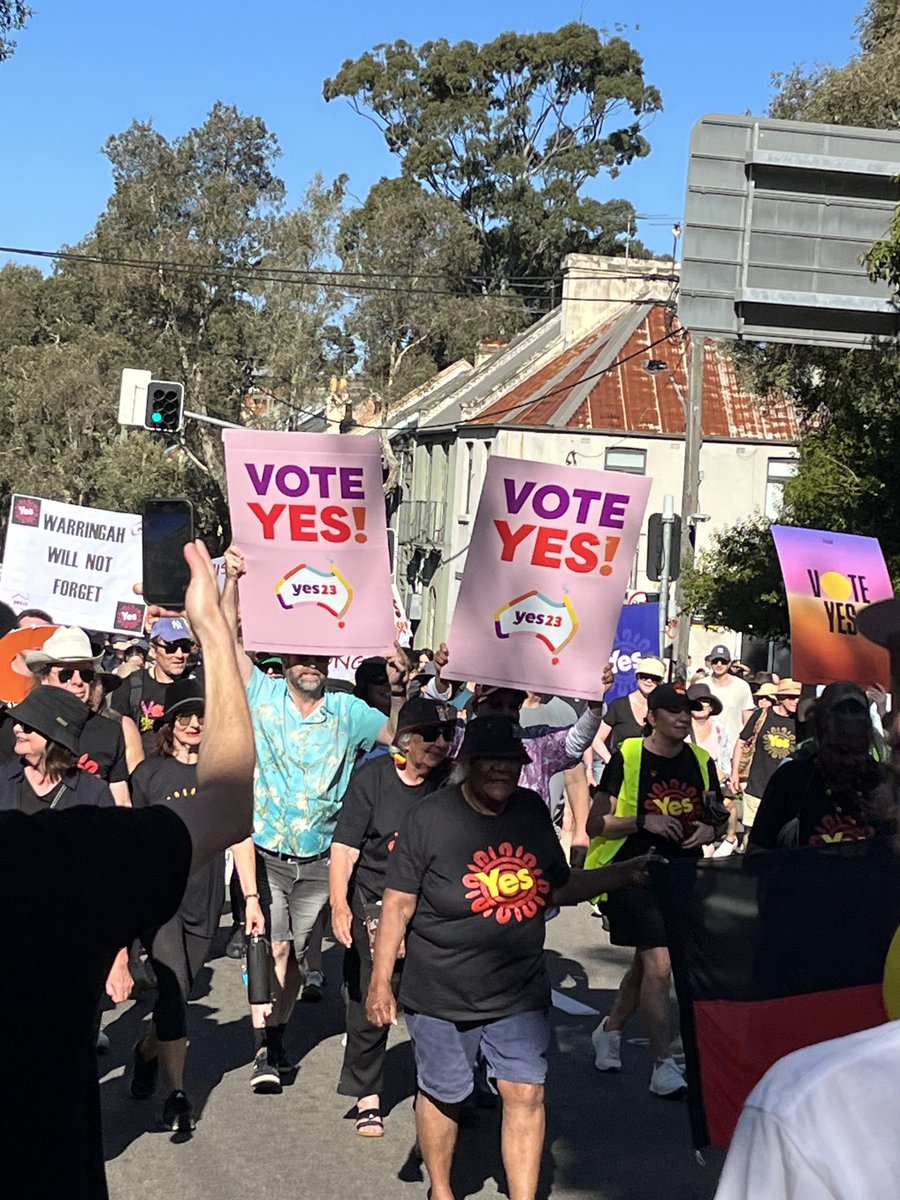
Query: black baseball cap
{"points": [[494, 737], [419, 713], [720, 652], [673, 698]]}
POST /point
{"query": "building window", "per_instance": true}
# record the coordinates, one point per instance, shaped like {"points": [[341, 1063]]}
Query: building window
{"points": [[620, 458], [779, 470]]}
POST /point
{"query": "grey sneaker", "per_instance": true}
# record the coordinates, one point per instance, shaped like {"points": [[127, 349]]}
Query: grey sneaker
{"points": [[607, 1048]]}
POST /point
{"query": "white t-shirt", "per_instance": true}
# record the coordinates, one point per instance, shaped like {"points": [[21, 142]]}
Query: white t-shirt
{"points": [[736, 698], [822, 1124]]}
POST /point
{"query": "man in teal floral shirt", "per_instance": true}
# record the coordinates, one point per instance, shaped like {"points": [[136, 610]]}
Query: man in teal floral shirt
{"points": [[307, 741]]}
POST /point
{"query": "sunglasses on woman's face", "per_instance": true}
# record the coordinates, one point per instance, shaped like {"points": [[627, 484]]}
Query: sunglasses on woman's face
{"points": [[648, 678], [431, 733], [184, 719], [65, 674], [27, 730]]}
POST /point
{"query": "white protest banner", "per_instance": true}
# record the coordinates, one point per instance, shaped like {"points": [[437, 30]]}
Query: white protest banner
{"points": [[78, 564]]}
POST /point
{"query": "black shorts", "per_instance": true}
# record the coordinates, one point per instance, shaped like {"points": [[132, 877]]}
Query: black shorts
{"points": [[634, 918]]}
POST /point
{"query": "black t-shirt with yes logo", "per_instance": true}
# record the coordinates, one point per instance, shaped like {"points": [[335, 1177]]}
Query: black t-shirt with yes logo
{"points": [[667, 787], [475, 946], [775, 742]]}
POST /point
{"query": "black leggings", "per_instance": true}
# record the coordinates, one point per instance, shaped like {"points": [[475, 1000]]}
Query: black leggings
{"points": [[177, 955]]}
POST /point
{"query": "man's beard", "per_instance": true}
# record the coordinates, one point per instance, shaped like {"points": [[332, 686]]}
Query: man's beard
{"points": [[306, 689]]}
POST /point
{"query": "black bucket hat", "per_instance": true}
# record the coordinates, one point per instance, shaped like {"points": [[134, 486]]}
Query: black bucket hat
{"points": [[494, 737], [55, 713], [184, 695]]}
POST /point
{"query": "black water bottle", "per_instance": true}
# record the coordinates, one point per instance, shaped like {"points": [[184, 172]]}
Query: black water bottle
{"points": [[259, 969]]}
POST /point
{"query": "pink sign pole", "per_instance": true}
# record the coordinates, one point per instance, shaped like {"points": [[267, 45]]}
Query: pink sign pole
{"points": [[307, 510], [545, 576]]}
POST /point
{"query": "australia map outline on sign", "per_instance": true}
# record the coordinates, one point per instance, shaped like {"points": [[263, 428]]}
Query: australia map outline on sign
{"points": [[552, 622], [308, 585]]}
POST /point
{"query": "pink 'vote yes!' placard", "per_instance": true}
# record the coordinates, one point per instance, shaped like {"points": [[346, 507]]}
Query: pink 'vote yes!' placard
{"points": [[307, 510], [545, 576]]}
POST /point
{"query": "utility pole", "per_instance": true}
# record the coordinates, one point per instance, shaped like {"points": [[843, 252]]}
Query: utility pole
{"points": [[690, 491], [668, 520]]}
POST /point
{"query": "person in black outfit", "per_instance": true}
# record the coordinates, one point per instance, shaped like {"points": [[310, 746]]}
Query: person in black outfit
{"points": [[380, 794], [44, 775], [835, 789], [106, 874], [476, 867], [65, 661], [178, 950]]}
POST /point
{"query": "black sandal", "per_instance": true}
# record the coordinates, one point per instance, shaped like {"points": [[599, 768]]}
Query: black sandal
{"points": [[369, 1122]]}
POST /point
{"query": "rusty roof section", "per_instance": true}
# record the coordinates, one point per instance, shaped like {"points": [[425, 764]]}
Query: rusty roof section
{"points": [[601, 383]]}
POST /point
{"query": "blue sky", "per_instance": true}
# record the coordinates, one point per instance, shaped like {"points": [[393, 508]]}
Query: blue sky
{"points": [[85, 70]]}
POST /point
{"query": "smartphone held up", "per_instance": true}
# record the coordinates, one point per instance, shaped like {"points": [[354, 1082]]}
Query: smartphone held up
{"points": [[168, 525]]}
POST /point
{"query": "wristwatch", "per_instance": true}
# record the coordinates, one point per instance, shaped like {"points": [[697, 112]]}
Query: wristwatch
{"points": [[640, 820]]}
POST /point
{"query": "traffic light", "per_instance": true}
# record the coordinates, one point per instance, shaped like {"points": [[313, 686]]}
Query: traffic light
{"points": [[165, 406], [655, 547]]}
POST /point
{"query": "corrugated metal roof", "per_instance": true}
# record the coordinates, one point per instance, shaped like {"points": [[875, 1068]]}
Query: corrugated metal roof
{"points": [[601, 383]]}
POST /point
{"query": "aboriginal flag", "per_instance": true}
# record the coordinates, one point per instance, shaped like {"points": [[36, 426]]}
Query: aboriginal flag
{"points": [[772, 952]]}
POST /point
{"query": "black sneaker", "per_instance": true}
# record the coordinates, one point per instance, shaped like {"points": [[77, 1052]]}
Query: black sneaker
{"points": [[177, 1114], [266, 1077], [312, 988], [236, 943], [144, 1073]]}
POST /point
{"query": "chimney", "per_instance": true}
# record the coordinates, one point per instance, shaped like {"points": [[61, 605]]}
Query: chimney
{"points": [[597, 287]]}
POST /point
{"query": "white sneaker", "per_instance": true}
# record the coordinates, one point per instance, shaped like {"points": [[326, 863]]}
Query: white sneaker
{"points": [[667, 1079], [607, 1048], [724, 848]]}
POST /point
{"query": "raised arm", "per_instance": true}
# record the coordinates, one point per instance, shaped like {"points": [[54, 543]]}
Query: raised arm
{"points": [[221, 813], [234, 569]]}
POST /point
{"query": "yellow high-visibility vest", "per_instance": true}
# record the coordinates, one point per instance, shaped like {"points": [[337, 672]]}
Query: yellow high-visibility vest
{"points": [[602, 849]]}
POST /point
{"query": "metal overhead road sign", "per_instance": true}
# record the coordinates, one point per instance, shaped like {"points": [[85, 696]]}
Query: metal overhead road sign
{"points": [[778, 219]]}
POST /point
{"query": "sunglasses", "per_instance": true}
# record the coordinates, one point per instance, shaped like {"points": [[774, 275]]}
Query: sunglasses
{"points": [[726, 661], [184, 719], [173, 647], [65, 674], [28, 729], [431, 733], [652, 678]]}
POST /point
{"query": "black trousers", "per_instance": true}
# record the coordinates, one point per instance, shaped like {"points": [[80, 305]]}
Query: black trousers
{"points": [[363, 1071]]}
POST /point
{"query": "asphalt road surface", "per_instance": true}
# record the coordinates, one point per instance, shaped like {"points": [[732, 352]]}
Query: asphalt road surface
{"points": [[607, 1137]]}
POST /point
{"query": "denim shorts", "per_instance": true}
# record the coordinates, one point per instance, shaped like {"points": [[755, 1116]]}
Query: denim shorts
{"points": [[514, 1049], [292, 895]]}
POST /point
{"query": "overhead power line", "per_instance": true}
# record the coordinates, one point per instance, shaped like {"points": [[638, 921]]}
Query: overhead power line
{"points": [[339, 279]]}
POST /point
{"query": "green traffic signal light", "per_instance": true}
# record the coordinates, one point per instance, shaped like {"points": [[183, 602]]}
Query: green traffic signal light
{"points": [[165, 404]]}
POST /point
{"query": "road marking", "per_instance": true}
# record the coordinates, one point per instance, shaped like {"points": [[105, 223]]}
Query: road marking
{"points": [[567, 1005]]}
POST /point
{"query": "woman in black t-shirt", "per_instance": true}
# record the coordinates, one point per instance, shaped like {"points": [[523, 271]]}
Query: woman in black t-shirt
{"points": [[380, 794], [475, 869], [178, 950], [625, 716], [47, 726], [651, 798], [835, 789]]}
